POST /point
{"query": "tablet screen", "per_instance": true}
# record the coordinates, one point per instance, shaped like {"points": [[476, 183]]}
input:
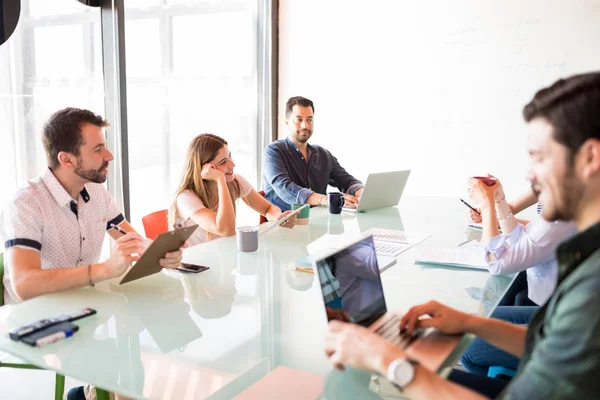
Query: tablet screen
{"points": [[266, 227]]}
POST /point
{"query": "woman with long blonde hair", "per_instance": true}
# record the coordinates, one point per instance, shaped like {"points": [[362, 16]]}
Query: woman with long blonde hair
{"points": [[209, 190]]}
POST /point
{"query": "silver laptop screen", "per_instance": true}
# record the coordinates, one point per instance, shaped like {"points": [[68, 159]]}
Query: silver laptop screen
{"points": [[351, 284]]}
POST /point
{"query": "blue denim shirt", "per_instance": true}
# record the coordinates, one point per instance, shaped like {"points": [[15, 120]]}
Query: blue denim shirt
{"points": [[289, 179]]}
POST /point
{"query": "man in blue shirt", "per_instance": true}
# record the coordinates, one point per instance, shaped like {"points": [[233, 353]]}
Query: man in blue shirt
{"points": [[297, 172]]}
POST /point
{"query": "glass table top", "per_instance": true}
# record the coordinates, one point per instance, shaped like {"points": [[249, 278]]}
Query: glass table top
{"points": [[214, 334]]}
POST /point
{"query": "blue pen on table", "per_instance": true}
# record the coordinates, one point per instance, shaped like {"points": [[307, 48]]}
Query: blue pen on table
{"points": [[468, 205], [55, 337]]}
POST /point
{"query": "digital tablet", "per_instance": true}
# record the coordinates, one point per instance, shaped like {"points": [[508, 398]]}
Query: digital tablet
{"points": [[266, 227]]}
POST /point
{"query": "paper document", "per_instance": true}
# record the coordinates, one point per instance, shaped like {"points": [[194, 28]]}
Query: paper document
{"points": [[469, 257], [384, 261], [390, 235], [328, 242], [390, 249]]}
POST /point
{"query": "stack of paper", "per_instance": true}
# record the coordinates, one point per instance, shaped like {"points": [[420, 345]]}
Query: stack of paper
{"points": [[393, 236], [465, 257], [389, 248], [383, 261]]}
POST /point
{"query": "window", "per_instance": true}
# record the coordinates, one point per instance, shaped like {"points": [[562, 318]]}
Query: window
{"points": [[191, 69], [53, 60]]}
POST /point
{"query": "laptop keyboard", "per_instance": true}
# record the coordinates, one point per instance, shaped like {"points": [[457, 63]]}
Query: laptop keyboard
{"points": [[390, 330]]}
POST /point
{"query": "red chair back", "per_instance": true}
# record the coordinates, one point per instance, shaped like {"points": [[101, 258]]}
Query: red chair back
{"points": [[262, 219], [155, 224]]}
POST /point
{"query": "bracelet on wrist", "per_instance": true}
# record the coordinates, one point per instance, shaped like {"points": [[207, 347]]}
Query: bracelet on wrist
{"points": [[510, 214], [501, 200], [90, 275]]}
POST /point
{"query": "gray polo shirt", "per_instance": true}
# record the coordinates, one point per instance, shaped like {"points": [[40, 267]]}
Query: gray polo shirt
{"points": [[561, 359]]}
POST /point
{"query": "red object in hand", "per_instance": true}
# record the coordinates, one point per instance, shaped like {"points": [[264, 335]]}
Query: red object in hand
{"points": [[487, 180]]}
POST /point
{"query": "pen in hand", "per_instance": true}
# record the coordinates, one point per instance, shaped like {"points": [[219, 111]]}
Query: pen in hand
{"points": [[468, 205], [118, 229], [114, 226]]}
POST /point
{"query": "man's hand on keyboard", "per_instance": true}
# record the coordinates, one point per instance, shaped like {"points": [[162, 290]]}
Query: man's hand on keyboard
{"points": [[350, 201], [356, 346], [442, 318]]}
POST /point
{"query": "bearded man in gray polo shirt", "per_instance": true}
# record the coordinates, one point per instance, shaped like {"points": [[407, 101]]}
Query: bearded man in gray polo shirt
{"points": [[54, 227]]}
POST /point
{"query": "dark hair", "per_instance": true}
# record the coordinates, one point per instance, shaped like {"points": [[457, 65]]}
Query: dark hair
{"points": [[297, 100], [572, 107], [62, 132]]}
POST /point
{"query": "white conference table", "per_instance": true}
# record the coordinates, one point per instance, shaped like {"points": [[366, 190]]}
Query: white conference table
{"points": [[212, 335]]}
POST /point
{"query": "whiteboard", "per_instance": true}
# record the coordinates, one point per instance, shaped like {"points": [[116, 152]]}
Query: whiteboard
{"points": [[434, 86]]}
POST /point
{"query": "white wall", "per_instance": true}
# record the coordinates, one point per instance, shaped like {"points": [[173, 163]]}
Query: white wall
{"points": [[435, 86]]}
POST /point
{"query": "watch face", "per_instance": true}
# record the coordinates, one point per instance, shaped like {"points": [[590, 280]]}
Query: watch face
{"points": [[404, 372]]}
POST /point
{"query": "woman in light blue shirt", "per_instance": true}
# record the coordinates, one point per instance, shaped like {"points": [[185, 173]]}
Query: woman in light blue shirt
{"points": [[522, 246]]}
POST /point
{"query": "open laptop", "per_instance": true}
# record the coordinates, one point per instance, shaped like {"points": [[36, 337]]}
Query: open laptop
{"points": [[352, 292], [381, 190], [384, 261]]}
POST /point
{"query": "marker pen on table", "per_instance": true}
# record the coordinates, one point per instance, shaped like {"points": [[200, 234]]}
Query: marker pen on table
{"points": [[55, 337]]}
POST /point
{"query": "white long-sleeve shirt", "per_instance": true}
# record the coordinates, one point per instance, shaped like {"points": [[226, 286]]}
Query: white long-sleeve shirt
{"points": [[531, 248]]}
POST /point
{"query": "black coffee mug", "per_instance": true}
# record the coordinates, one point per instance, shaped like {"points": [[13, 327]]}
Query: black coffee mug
{"points": [[336, 202]]}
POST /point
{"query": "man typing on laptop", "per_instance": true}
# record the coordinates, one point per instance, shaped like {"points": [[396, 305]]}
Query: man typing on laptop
{"points": [[559, 351], [351, 284], [297, 172]]}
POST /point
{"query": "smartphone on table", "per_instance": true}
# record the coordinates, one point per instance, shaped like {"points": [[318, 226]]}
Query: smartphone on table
{"points": [[193, 268]]}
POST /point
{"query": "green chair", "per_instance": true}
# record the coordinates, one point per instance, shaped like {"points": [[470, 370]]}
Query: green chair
{"points": [[59, 387]]}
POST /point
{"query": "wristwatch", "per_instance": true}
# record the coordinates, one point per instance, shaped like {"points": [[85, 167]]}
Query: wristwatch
{"points": [[402, 371]]}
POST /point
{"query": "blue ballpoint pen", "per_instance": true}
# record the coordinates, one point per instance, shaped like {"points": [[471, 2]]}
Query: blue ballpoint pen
{"points": [[55, 337]]}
